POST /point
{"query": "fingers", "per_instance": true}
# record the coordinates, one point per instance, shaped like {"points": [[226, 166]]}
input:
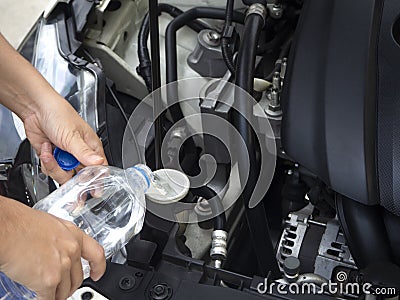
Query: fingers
{"points": [[85, 154], [50, 166], [47, 295], [64, 288], [94, 254], [74, 251], [76, 275], [95, 143]]}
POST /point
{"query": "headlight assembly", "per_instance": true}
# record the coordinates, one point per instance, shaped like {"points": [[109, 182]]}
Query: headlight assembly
{"points": [[79, 82], [76, 84]]}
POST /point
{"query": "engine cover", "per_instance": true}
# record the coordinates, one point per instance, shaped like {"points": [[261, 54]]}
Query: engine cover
{"points": [[329, 98]]}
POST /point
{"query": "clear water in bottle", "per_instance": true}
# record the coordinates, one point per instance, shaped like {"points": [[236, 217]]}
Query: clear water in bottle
{"points": [[105, 202]]}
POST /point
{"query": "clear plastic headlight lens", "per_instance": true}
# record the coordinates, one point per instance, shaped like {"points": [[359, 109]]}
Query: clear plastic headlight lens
{"points": [[78, 86]]}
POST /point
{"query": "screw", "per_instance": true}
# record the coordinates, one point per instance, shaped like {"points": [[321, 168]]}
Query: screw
{"points": [[283, 68], [276, 81], [277, 11], [212, 38], [160, 291], [126, 283]]}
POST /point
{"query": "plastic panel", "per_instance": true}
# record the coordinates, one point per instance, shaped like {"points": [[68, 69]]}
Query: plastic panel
{"points": [[329, 121]]}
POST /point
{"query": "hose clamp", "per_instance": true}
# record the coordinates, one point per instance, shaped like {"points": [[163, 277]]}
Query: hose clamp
{"points": [[259, 9], [219, 244]]}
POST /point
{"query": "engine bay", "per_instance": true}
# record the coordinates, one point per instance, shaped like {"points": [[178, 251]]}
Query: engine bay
{"points": [[264, 210]]}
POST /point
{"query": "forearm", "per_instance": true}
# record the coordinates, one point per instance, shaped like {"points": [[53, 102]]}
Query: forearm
{"points": [[22, 88], [8, 214]]}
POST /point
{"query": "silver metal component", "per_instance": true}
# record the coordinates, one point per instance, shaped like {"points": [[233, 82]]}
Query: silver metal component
{"points": [[213, 38], [218, 244], [258, 9], [283, 68], [275, 10], [274, 105], [217, 263], [202, 207], [332, 251], [293, 234], [120, 257], [311, 278], [276, 81], [175, 140], [206, 59], [179, 133], [316, 223]]}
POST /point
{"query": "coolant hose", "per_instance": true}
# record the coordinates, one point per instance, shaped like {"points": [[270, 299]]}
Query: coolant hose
{"points": [[365, 231], [215, 203], [144, 68], [256, 217]]}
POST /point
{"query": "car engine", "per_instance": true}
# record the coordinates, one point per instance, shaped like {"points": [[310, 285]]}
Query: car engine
{"points": [[265, 106]]}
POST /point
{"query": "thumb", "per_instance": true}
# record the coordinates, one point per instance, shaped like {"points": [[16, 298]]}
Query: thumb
{"points": [[81, 150], [94, 254]]}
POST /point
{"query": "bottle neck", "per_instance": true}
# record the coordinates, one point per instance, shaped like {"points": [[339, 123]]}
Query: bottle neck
{"points": [[145, 173]]}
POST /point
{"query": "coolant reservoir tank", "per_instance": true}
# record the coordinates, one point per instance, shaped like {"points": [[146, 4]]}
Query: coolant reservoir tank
{"points": [[169, 186]]}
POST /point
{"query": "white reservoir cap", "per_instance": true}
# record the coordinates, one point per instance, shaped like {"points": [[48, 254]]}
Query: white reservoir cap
{"points": [[168, 186]]}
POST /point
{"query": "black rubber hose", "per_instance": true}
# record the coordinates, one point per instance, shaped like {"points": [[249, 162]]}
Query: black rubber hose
{"points": [[365, 231], [215, 204], [144, 68], [256, 217], [171, 51], [227, 52]]}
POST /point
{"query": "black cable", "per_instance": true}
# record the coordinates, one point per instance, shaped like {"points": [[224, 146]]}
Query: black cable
{"points": [[227, 52], [171, 51], [256, 217], [144, 68], [215, 204], [284, 53]]}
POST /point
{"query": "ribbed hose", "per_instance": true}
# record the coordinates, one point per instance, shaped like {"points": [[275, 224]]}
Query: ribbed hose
{"points": [[171, 51], [227, 52], [256, 217], [144, 68]]}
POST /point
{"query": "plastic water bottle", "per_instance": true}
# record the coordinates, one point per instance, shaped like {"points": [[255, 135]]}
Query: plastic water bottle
{"points": [[107, 203]]}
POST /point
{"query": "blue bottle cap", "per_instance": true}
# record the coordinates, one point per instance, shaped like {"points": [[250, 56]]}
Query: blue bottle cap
{"points": [[65, 159]]}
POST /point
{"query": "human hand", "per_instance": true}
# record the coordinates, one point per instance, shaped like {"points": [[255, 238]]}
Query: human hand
{"points": [[59, 124], [48, 118], [44, 253]]}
